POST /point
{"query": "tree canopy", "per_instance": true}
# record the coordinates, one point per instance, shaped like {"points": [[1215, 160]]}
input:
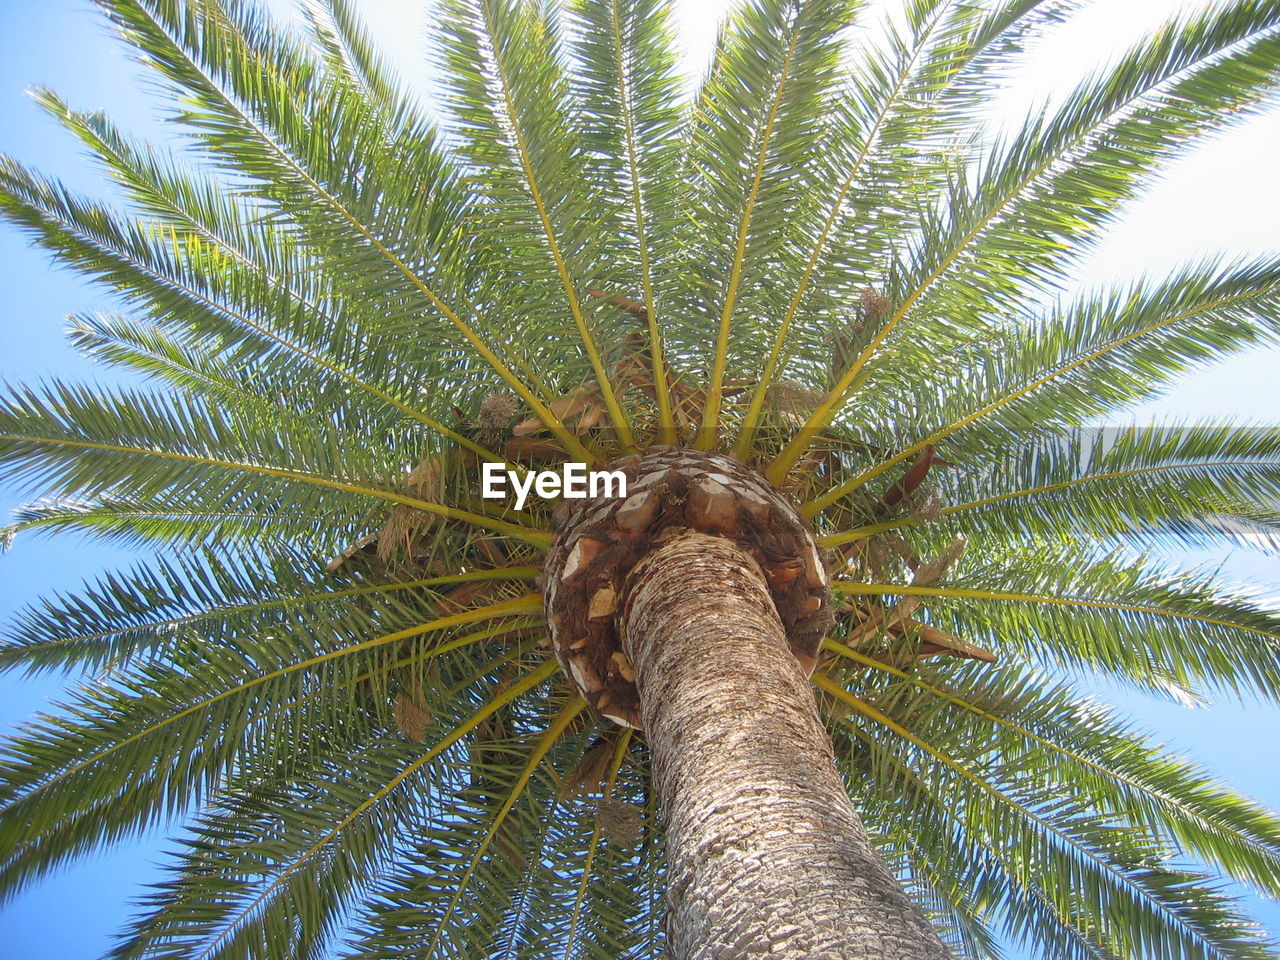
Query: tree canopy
{"points": [[823, 262]]}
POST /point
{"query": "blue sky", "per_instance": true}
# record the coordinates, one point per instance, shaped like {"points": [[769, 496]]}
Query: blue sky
{"points": [[1223, 197]]}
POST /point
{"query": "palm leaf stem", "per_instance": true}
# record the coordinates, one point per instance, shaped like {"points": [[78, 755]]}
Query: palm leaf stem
{"points": [[859, 533], [1164, 797], [529, 603], [516, 690], [751, 421], [617, 416], [661, 388], [501, 573], [328, 199], [833, 688], [615, 764], [708, 432], [848, 588], [555, 729], [538, 538], [833, 402], [818, 504]]}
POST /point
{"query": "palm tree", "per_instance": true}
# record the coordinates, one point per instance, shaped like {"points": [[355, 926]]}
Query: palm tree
{"points": [[811, 687]]}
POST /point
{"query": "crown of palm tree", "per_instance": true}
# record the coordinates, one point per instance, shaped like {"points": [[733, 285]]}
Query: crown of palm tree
{"points": [[336, 669]]}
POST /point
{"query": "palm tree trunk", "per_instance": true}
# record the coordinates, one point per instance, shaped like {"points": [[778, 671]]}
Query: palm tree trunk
{"points": [[766, 854]]}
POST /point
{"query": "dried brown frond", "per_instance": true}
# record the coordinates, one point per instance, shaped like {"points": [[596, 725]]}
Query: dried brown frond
{"points": [[934, 570], [497, 410], [619, 820], [588, 774], [412, 715], [792, 399], [925, 503]]}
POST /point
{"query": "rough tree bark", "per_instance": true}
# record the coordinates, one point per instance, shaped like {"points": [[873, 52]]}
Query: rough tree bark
{"points": [[766, 854], [694, 609]]}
